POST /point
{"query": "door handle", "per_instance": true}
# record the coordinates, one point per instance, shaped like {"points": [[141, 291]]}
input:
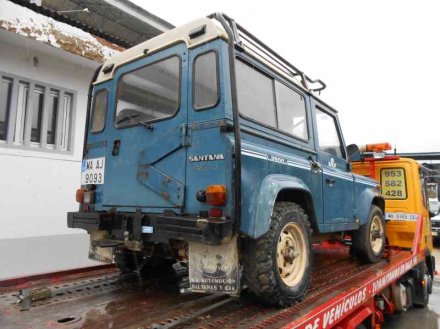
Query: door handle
{"points": [[330, 181]]}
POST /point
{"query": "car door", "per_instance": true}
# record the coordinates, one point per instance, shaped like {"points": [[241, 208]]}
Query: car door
{"points": [[142, 143], [338, 183]]}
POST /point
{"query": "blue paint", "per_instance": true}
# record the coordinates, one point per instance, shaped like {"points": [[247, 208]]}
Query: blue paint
{"points": [[154, 171]]}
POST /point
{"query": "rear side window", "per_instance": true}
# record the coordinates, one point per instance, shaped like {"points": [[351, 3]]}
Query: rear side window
{"points": [[99, 110], [393, 183], [205, 81], [255, 91], [291, 110], [329, 140], [148, 94]]}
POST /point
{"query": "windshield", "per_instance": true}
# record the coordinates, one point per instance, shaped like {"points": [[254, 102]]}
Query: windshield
{"points": [[149, 93]]}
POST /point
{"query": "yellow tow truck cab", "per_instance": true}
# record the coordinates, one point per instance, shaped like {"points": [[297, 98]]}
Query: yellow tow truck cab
{"points": [[403, 185]]}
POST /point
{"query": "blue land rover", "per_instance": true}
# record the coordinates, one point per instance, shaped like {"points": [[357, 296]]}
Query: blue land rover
{"points": [[205, 147]]}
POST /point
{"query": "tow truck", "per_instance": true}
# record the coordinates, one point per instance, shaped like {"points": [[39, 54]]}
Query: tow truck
{"points": [[345, 293]]}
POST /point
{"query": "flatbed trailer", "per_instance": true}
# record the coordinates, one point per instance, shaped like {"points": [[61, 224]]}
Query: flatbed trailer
{"points": [[344, 294]]}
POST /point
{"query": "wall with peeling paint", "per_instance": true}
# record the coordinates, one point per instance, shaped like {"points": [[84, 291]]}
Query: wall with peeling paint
{"points": [[38, 187]]}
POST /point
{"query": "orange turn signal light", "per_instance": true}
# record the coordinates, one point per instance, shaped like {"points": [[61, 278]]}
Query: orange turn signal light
{"points": [[80, 195], [216, 195], [378, 147]]}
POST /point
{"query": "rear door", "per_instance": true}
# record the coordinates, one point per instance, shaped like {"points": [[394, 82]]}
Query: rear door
{"points": [[143, 144]]}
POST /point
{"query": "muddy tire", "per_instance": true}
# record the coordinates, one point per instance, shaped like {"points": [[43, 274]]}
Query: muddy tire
{"points": [[277, 266], [368, 242]]}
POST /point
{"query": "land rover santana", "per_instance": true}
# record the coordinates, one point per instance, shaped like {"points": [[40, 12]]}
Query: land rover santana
{"points": [[205, 146]]}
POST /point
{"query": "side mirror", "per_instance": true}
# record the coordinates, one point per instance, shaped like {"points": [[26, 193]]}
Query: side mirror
{"points": [[354, 154]]}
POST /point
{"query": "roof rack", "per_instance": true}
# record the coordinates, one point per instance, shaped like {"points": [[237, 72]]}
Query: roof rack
{"points": [[245, 41]]}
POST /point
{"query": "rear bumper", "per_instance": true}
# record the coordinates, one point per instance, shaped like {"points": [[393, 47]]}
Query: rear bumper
{"points": [[160, 228]]}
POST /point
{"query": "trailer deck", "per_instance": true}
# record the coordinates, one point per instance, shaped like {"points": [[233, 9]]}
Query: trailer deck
{"points": [[96, 298]]}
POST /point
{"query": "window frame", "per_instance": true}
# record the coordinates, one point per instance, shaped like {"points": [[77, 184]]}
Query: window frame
{"points": [[93, 110], [272, 75], [179, 99], [217, 73], [305, 112], [321, 108], [8, 102], [12, 111]]}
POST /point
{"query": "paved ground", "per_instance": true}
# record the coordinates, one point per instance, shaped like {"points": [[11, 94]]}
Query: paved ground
{"points": [[20, 257], [416, 318], [45, 254]]}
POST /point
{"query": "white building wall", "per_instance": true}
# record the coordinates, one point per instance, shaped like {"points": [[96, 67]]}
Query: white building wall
{"points": [[37, 188]]}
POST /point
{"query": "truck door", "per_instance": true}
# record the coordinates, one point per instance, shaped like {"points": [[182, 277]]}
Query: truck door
{"points": [[337, 180], [143, 143]]}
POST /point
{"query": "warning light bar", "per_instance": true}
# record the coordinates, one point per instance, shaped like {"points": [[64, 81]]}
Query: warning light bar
{"points": [[378, 147]]}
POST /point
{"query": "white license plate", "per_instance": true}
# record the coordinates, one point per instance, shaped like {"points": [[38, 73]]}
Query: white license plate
{"points": [[92, 171], [435, 233]]}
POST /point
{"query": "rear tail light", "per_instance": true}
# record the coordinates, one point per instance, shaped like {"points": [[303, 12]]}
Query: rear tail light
{"points": [[216, 195], [84, 195], [88, 197], [214, 212], [80, 195]]}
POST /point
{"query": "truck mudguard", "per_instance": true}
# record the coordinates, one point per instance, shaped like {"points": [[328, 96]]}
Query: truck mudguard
{"points": [[263, 204], [365, 197]]}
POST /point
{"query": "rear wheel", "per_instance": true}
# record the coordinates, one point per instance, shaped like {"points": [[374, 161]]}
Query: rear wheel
{"points": [[422, 290], [277, 265], [369, 240]]}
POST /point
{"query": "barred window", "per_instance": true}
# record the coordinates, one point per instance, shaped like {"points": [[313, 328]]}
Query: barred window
{"points": [[35, 115]]}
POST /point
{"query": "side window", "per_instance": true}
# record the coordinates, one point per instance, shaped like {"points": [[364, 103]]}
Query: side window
{"points": [[291, 111], [205, 81], [255, 92], [5, 100], [422, 176], [329, 141], [99, 110]]}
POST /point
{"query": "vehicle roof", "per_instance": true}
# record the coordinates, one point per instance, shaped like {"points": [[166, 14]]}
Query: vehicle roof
{"points": [[213, 30]]}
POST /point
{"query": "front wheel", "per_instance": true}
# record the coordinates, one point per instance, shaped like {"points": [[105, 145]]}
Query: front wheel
{"points": [[277, 266], [368, 242]]}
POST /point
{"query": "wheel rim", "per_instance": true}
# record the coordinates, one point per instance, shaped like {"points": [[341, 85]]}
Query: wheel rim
{"points": [[291, 254], [376, 234]]}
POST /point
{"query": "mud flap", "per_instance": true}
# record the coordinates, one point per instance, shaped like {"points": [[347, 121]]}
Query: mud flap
{"points": [[96, 252], [214, 268]]}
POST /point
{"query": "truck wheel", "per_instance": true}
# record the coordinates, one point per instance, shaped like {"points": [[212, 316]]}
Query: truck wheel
{"points": [[422, 291], [277, 266], [369, 239]]}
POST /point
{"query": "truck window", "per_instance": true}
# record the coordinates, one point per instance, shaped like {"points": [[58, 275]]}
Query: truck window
{"points": [[255, 93], [393, 183], [99, 110], [149, 93], [205, 81], [422, 176], [291, 110], [329, 140]]}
